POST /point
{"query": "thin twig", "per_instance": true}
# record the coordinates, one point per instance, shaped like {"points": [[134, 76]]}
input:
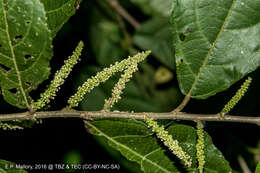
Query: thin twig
{"points": [[243, 164], [183, 103], [120, 10], [89, 115]]}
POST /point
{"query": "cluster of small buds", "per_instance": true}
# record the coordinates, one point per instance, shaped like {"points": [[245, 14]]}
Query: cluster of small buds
{"points": [[200, 146], [173, 145], [120, 85], [235, 99], [104, 75], [59, 79], [9, 126]]}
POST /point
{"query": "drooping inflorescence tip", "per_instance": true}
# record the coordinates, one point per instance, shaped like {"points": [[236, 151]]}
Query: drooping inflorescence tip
{"points": [[59, 79], [104, 75], [120, 85], [173, 145], [200, 147], [9, 126], [235, 99]]}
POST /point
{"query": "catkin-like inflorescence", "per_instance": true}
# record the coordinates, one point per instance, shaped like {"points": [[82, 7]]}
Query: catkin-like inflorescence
{"points": [[104, 76], [9, 126], [18, 125], [235, 99], [120, 85], [173, 145], [200, 146], [59, 79]]}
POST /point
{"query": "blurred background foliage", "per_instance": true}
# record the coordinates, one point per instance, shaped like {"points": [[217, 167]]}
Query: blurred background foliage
{"points": [[110, 38]]}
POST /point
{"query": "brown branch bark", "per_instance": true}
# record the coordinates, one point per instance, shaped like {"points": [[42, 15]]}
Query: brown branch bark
{"points": [[89, 115], [120, 10]]}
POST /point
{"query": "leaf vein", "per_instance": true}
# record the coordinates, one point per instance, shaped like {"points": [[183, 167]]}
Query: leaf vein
{"points": [[14, 58], [125, 147], [60, 8], [145, 156], [4, 56], [197, 21], [212, 47], [26, 34], [39, 57], [130, 136]]}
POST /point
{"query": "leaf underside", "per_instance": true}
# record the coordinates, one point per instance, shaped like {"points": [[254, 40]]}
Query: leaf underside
{"points": [[137, 143], [25, 49], [217, 43]]}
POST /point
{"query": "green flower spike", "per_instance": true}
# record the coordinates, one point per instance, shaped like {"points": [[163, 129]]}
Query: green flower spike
{"points": [[18, 124], [173, 145], [59, 79], [120, 85], [200, 147], [104, 76], [235, 99], [9, 126]]}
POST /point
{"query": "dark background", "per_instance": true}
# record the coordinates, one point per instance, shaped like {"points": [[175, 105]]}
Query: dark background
{"points": [[67, 140]]}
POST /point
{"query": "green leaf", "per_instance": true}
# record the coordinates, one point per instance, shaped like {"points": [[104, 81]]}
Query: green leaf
{"points": [[128, 165], [136, 142], [105, 38], [10, 167], [155, 7], [216, 42], [25, 49], [155, 34], [59, 12], [186, 135], [257, 169]]}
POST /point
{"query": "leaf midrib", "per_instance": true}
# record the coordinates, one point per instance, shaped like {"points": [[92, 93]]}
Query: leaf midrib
{"points": [[13, 57], [212, 47], [123, 146]]}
